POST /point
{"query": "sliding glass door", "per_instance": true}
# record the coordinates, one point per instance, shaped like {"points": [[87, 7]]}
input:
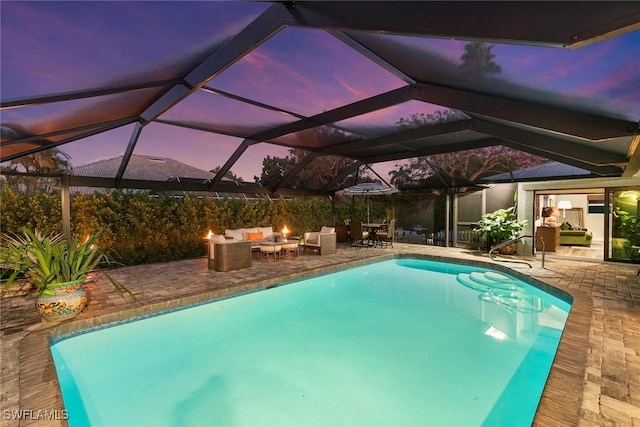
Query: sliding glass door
{"points": [[622, 224]]}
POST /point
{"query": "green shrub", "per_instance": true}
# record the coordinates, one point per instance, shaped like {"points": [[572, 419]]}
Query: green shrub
{"points": [[139, 228], [39, 210]]}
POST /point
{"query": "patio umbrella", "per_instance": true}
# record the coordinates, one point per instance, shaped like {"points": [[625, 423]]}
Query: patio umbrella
{"points": [[369, 189]]}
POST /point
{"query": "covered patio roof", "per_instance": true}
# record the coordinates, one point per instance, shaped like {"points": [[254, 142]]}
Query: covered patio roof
{"points": [[229, 83]]}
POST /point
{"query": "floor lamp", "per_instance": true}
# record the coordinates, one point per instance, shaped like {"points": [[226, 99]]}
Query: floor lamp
{"points": [[564, 205]]}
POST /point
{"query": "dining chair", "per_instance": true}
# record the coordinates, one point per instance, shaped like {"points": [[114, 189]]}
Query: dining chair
{"points": [[386, 237], [359, 237]]}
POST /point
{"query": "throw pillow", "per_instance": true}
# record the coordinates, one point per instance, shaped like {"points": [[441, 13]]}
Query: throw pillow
{"points": [[255, 236], [246, 231]]}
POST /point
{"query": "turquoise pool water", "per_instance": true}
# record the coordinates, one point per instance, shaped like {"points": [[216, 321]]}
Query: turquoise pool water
{"points": [[400, 342]]}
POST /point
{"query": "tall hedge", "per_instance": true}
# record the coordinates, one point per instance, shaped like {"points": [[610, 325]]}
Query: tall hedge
{"points": [[39, 210], [141, 228]]}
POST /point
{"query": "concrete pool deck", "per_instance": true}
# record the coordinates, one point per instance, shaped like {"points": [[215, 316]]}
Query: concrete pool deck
{"points": [[595, 379]]}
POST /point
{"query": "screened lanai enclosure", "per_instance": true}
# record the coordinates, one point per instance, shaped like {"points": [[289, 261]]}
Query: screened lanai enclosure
{"points": [[229, 86]]}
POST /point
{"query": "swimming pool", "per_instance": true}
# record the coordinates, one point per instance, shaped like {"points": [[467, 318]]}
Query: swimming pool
{"points": [[400, 342]]}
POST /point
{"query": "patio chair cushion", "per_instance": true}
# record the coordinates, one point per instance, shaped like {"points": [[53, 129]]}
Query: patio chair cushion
{"points": [[312, 237], [324, 243]]}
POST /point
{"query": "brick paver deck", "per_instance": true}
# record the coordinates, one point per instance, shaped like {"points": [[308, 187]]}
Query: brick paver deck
{"points": [[595, 379]]}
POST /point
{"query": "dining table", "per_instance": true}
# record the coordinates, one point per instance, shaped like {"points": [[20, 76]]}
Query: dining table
{"points": [[373, 228]]}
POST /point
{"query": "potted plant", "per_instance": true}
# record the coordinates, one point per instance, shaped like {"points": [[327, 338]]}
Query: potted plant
{"points": [[630, 227], [57, 268], [500, 226]]}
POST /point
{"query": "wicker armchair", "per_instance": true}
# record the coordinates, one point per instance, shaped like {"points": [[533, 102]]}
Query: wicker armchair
{"points": [[231, 256], [323, 241]]}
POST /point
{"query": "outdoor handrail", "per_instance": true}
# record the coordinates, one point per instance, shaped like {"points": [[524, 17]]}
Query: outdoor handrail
{"points": [[508, 242]]}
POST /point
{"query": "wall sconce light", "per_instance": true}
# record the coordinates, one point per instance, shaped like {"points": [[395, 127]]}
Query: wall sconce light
{"points": [[564, 205]]}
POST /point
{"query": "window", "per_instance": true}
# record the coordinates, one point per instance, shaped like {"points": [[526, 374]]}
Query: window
{"points": [[595, 203]]}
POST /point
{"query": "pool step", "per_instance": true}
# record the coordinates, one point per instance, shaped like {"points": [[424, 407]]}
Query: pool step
{"points": [[491, 280], [480, 282], [499, 289], [497, 276]]}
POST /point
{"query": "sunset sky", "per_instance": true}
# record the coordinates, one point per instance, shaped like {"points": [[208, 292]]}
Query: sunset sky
{"points": [[54, 47]]}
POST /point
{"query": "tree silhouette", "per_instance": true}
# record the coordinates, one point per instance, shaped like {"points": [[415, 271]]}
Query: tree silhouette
{"points": [[478, 60], [229, 175], [469, 164], [51, 161], [315, 175], [318, 172], [421, 119], [273, 170]]}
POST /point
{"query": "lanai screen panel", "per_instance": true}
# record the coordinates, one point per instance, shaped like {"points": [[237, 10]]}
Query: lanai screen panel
{"points": [[319, 172], [400, 117], [380, 153], [305, 71], [317, 137], [615, 145], [433, 142], [211, 111], [39, 119], [97, 148], [602, 78], [201, 150], [11, 148], [249, 165], [52, 47], [419, 147]]}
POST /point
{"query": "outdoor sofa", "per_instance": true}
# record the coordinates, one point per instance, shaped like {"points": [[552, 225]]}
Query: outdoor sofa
{"points": [[232, 250], [255, 235]]}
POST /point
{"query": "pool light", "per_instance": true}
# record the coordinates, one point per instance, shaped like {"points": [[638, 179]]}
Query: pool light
{"points": [[496, 333]]}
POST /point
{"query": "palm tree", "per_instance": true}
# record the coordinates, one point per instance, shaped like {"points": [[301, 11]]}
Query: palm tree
{"points": [[229, 175], [478, 60], [51, 161]]}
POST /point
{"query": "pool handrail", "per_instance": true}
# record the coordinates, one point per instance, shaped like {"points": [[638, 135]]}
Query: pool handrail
{"points": [[508, 242]]}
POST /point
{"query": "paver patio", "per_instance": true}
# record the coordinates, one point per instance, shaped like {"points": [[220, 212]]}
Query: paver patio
{"points": [[595, 379]]}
